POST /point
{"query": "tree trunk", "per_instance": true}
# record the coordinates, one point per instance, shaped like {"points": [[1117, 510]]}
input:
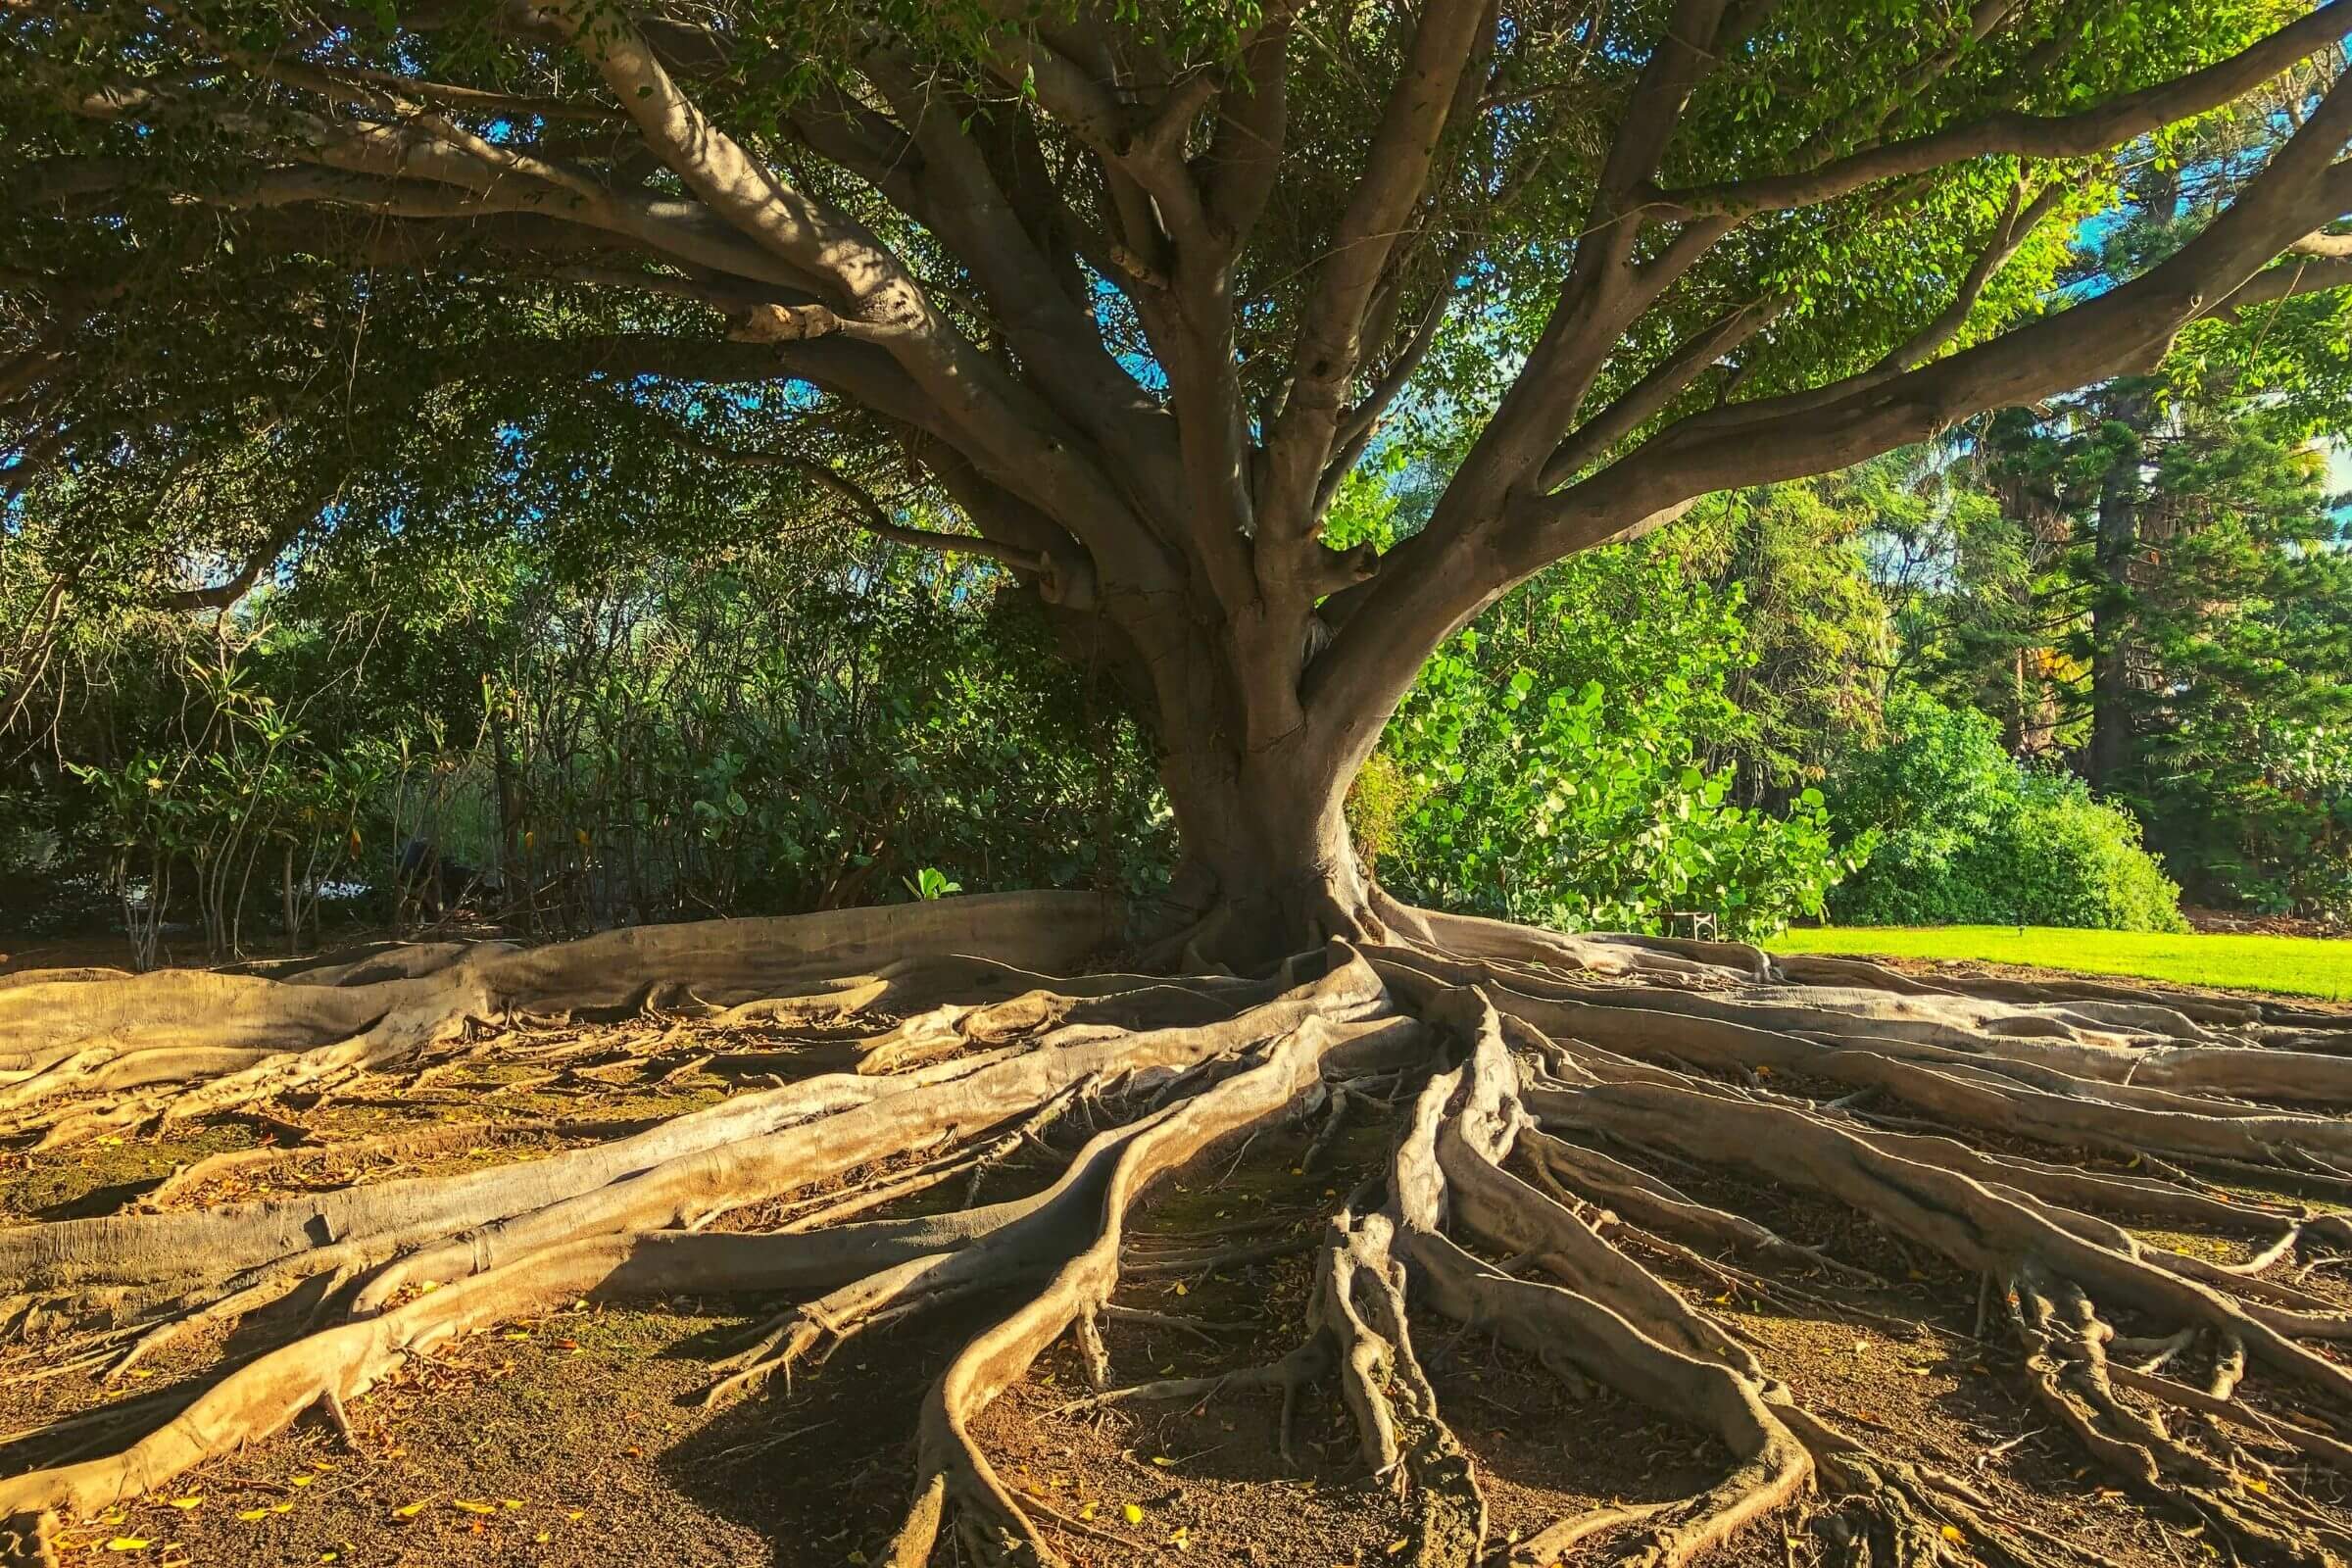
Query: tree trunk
{"points": [[2112, 690], [1269, 867]]}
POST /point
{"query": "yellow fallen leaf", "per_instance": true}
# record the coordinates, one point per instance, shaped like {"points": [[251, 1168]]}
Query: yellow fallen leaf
{"points": [[328, 1556], [188, 1501], [281, 1507], [512, 1503], [127, 1544], [2254, 1483], [1182, 1540], [249, 1515], [576, 1513], [302, 1481], [410, 1510], [468, 1506], [1132, 1513], [1395, 1546], [1951, 1533], [542, 1539], [1180, 1288], [1087, 1512]]}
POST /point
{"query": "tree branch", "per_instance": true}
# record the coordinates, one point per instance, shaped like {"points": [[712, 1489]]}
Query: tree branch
{"points": [[2078, 135], [1398, 170], [1408, 609], [872, 516], [1649, 396]]}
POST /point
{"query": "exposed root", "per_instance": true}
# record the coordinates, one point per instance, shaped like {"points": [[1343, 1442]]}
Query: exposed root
{"points": [[1556, 1180]]}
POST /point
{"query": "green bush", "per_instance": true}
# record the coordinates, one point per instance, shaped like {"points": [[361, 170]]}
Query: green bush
{"points": [[1967, 835], [1514, 781]]}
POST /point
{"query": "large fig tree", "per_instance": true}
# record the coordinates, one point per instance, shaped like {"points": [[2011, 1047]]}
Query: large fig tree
{"points": [[1133, 288]]}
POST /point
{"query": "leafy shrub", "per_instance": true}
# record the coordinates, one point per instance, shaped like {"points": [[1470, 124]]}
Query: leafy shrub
{"points": [[1967, 835], [1513, 782], [754, 734]]}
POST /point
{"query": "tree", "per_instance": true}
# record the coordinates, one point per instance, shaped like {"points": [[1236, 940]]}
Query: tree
{"points": [[2185, 620], [1131, 289], [1137, 293]]}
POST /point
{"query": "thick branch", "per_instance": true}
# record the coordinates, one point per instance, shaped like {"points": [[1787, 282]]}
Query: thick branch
{"points": [[1397, 172]]}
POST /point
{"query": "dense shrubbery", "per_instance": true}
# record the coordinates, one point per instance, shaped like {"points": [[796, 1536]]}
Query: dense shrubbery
{"points": [[1964, 834], [734, 737], [1550, 765]]}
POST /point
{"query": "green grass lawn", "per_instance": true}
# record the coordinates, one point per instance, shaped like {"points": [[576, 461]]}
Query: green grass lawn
{"points": [[2308, 966]]}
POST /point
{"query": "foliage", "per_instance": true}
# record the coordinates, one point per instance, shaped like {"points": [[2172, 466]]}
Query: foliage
{"points": [[1815, 623], [1519, 782], [748, 732], [1966, 834]]}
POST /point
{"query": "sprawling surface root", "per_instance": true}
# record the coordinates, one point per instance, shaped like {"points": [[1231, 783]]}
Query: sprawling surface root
{"points": [[1566, 1129]]}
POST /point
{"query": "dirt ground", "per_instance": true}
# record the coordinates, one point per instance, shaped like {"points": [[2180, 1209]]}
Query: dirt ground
{"points": [[578, 1438]]}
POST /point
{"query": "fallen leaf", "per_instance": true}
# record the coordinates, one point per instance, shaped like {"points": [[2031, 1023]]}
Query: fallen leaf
{"points": [[410, 1510], [1951, 1533], [1133, 1513], [468, 1506], [2254, 1483], [1395, 1546], [1163, 1460], [302, 1481], [542, 1539], [250, 1514], [127, 1544], [188, 1501], [512, 1503]]}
